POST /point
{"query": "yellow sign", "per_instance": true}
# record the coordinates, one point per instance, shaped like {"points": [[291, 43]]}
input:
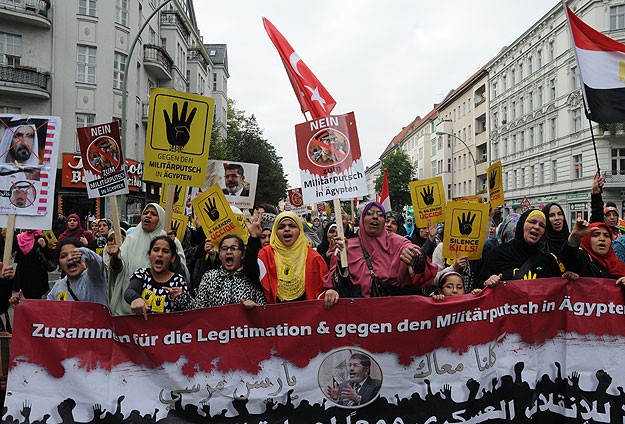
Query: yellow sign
{"points": [[49, 236], [465, 229], [180, 198], [243, 225], [476, 198], [216, 216], [428, 201], [495, 185], [178, 137], [179, 225]]}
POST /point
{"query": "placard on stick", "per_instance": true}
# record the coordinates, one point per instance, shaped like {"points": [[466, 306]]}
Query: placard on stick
{"points": [[495, 185], [465, 229], [428, 200], [215, 215]]}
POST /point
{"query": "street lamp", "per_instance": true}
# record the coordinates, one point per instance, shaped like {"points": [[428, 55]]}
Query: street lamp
{"points": [[469, 150]]}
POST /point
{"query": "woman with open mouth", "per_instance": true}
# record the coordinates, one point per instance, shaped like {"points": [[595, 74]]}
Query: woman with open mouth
{"points": [[149, 288], [596, 258], [290, 270], [522, 258], [129, 257], [229, 283]]}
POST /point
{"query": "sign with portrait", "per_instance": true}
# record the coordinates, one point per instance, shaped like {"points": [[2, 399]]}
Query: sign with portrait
{"points": [[429, 201], [466, 226], [330, 161], [28, 157], [216, 215], [495, 185], [178, 137], [236, 179], [103, 161]]}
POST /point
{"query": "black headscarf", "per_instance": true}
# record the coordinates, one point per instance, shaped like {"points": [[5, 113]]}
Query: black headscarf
{"points": [[518, 260], [555, 239], [401, 230]]}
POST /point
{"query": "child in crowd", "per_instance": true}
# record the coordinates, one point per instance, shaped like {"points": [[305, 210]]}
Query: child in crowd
{"points": [[148, 289], [451, 284]]}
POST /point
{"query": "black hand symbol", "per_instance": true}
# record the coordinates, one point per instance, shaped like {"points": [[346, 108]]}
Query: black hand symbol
{"points": [[492, 178], [428, 195], [177, 191], [174, 226], [158, 301], [466, 224], [179, 126], [211, 209]]}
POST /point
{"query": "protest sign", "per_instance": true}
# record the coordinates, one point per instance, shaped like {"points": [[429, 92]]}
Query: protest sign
{"points": [[179, 224], [216, 215], [428, 200], [495, 185], [180, 198], [330, 160], [297, 201], [178, 137], [511, 354], [236, 179], [466, 226], [28, 157], [103, 161]]}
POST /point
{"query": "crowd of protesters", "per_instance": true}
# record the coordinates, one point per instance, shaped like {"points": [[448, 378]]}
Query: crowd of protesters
{"points": [[288, 258]]}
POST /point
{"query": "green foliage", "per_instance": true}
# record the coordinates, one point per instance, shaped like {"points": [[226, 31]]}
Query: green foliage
{"points": [[400, 172], [245, 143]]}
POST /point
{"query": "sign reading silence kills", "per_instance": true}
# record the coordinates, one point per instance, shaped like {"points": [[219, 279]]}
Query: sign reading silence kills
{"points": [[178, 137], [465, 229]]}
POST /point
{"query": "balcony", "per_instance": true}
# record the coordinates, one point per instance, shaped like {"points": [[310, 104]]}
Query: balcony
{"points": [[614, 180], [195, 54], [157, 62], [173, 18], [25, 81], [26, 12], [145, 110]]}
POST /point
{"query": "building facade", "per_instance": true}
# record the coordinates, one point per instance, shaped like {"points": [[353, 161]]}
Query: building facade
{"points": [[69, 58]]}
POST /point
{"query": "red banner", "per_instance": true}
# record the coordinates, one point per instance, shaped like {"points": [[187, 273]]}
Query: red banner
{"points": [[515, 353]]}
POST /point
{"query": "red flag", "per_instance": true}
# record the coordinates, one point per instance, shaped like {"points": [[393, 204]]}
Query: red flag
{"points": [[601, 63], [385, 198], [311, 94]]}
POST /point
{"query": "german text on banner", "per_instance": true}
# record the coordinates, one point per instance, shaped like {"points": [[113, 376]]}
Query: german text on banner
{"points": [[428, 200], [28, 156], [541, 350], [330, 161], [178, 137], [495, 185], [466, 225], [103, 160]]}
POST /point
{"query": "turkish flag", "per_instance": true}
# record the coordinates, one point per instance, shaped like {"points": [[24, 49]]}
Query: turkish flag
{"points": [[311, 94]]}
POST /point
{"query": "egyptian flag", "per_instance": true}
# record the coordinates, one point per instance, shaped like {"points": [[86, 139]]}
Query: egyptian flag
{"points": [[311, 94], [601, 62]]}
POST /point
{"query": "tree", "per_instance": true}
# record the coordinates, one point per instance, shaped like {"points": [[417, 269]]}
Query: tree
{"points": [[245, 143], [400, 172]]}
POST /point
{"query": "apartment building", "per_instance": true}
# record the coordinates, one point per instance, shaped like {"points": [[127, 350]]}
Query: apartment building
{"points": [[69, 58]]}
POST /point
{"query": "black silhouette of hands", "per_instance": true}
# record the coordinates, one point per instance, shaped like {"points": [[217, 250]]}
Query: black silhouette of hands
{"points": [[98, 411], [175, 225], [428, 195], [179, 126], [465, 225], [177, 191], [210, 207], [492, 177], [26, 408]]}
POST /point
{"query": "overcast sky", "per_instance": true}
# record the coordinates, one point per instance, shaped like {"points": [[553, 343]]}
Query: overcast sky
{"points": [[388, 61]]}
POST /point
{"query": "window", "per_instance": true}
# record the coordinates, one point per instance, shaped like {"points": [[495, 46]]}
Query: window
{"points": [[522, 141], [577, 167], [540, 96], [448, 164], [449, 191], [504, 146], [494, 89], [512, 78], [530, 101], [10, 49], [10, 109], [552, 50], [215, 85], [504, 115], [522, 181], [541, 133], [554, 171], [532, 175], [119, 69], [495, 151], [617, 17], [577, 119], [506, 181], [87, 7], [433, 152], [515, 178], [514, 145], [513, 110], [504, 86], [495, 119], [552, 89], [521, 106], [83, 120], [121, 9], [618, 161], [530, 65], [521, 72], [531, 138], [86, 63], [541, 173], [539, 58], [552, 124], [574, 78], [433, 168]]}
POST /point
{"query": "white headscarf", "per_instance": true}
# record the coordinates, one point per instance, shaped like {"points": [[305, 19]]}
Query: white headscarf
{"points": [[134, 256]]}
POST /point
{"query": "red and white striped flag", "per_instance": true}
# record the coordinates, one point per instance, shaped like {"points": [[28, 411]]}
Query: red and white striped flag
{"points": [[311, 94], [385, 198], [601, 63]]}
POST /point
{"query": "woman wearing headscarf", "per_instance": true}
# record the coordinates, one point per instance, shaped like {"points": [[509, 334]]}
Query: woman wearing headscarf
{"points": [[522, 257], [395, 262], [131, 255], [33, 261], [289, 269], [504, 233], [328, 245], [75, 231], [589, 253], [409, 226], [557, 230], [395, 223]]}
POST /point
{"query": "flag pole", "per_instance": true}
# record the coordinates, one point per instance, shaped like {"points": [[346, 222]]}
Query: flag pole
{"points": [[594, 145]]}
